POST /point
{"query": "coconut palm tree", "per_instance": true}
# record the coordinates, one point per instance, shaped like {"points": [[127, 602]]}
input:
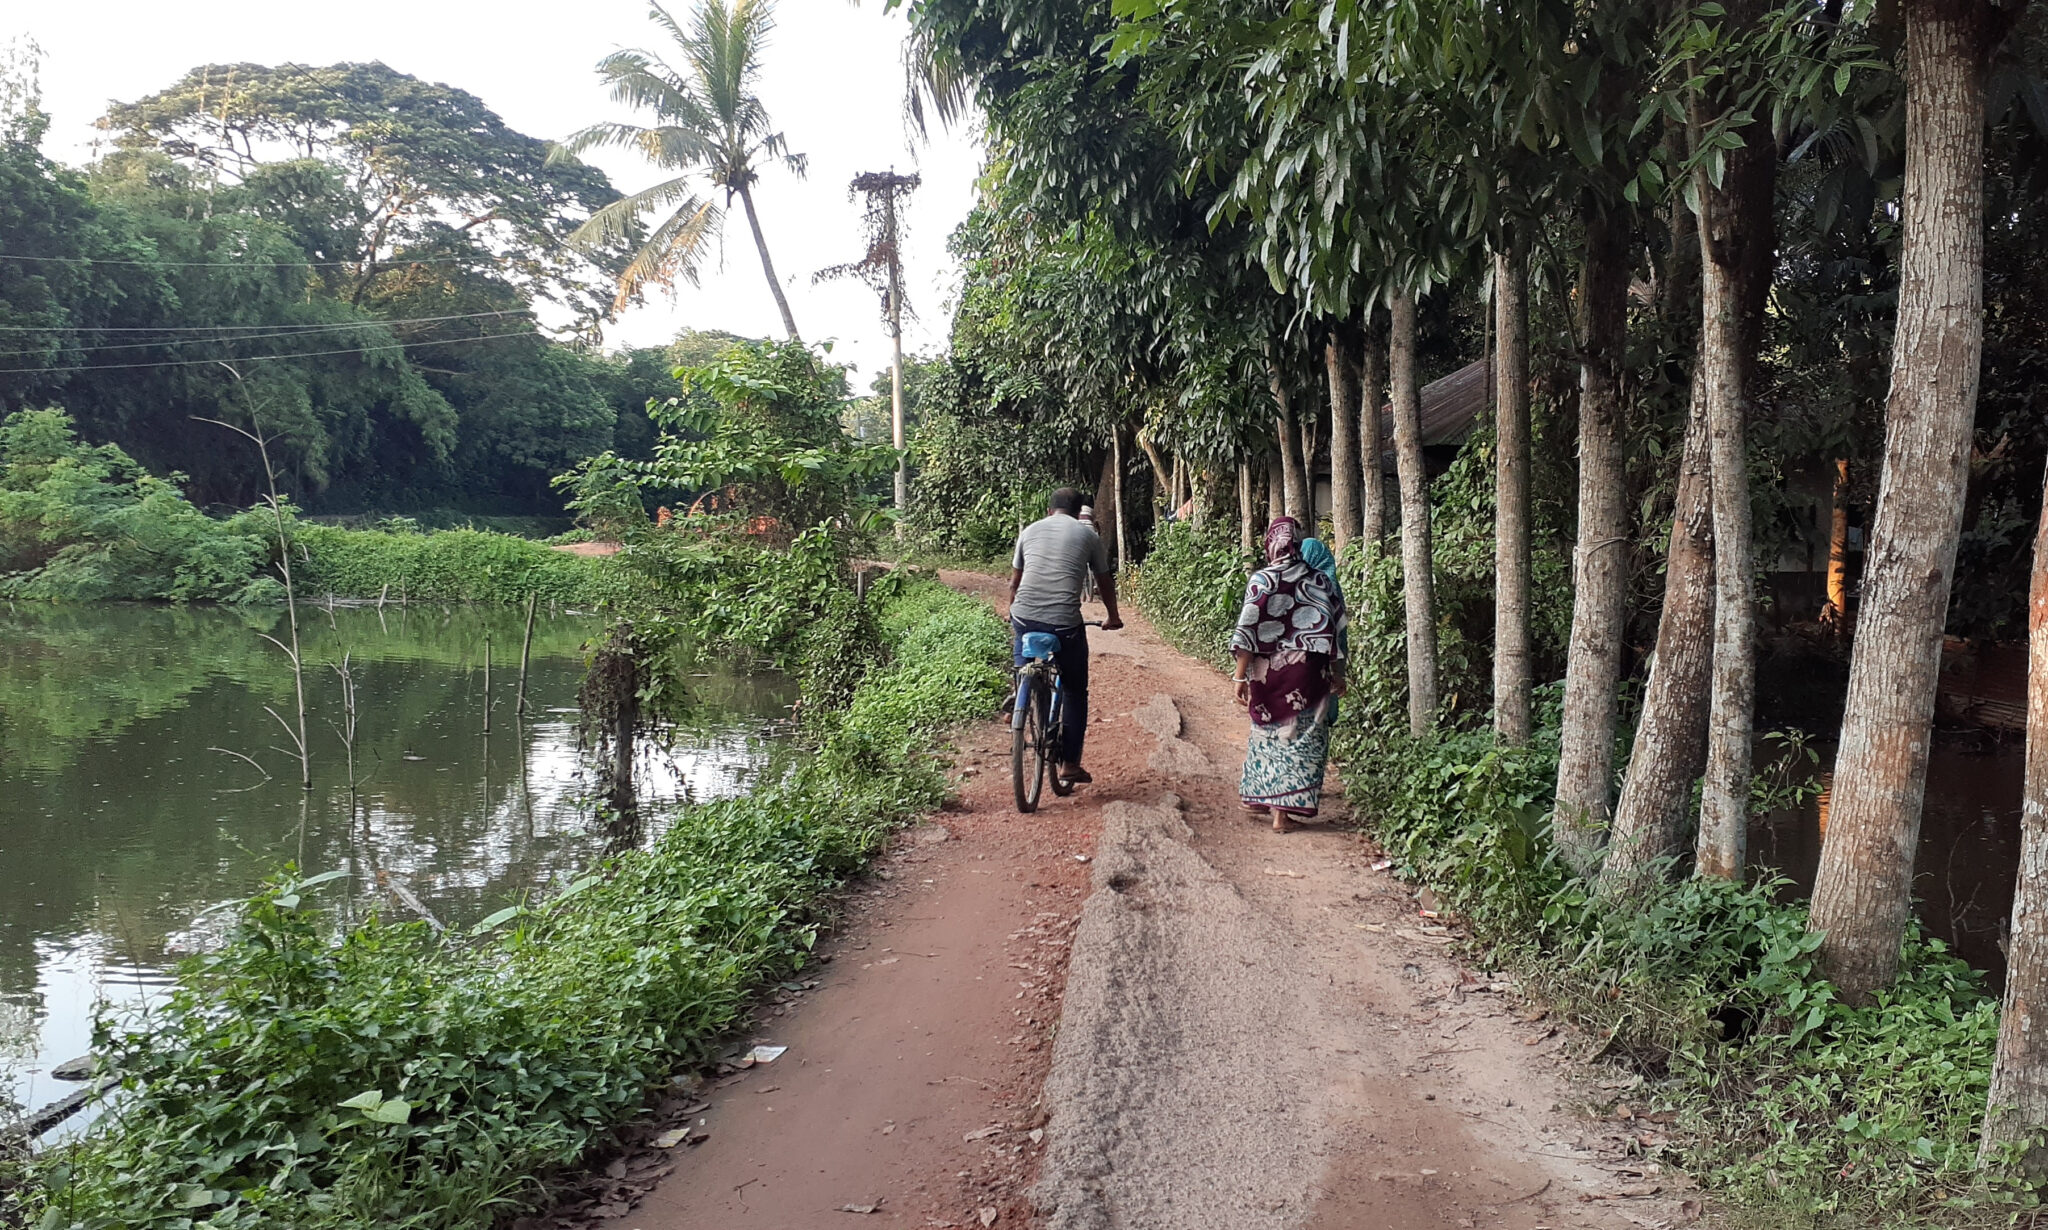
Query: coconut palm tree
{"points": [[711, 125]]}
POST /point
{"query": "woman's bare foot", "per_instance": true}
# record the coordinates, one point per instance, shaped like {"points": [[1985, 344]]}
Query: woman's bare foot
{"points": [[1281, 824]]}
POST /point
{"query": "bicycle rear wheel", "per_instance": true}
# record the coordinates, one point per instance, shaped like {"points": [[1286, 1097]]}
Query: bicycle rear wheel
{"points": [[1054, 737], [1027, 747]]}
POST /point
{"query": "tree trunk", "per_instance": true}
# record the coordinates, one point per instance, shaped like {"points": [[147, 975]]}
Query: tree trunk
{"points": [[2017, 1111], [1276, 487], [1246, 516], [1511, 667], [1835, 616], [1592, 679], [1372, 494], [1670, 747], [1736, 255], [1863, 890], [768, 266], [1106, 526], [1116, 461], [1294, 492], [1418, 584], [1165, 482], [1341, 361]]}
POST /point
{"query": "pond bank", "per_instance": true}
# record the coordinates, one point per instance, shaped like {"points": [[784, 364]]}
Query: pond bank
{"points": [[442, 1080], [141, 795]]}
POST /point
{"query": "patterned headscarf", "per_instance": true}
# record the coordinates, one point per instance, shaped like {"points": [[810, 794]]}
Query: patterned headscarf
{"points": [[1289, 607], [1317, 555], [1283, 540]]}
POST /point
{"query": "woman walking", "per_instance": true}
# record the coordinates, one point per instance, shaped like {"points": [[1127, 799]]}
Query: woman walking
{"points": [[1290, 670]]}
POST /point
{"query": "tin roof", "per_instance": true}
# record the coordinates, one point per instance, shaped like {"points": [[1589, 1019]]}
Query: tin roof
{"points": [[1450, 407]]}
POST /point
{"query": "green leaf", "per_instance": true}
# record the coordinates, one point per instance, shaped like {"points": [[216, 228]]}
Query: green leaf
{"points": [[368, 1100], [397, 1110], [497, 918]]}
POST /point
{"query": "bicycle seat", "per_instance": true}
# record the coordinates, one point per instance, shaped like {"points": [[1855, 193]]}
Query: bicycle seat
{"points": [[1040, 646]]}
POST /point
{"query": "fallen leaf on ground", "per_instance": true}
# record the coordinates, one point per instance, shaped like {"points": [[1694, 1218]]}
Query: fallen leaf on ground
{"points": [[1292, 875], [982, 1134], [858, 1208], [670, 1139], [988, 1217]]}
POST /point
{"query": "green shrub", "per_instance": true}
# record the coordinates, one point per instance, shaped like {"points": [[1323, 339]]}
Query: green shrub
{"points": [[444, 566], [86, 523], [1191, 587]]}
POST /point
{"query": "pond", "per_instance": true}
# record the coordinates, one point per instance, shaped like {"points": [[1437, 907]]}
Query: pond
{"points": [[1969, 853], [144, 788]]}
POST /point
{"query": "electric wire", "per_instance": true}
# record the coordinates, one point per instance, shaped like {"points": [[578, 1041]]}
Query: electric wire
{"points": [[281, 332], [391, 263], [360, 324], [260, 358]]}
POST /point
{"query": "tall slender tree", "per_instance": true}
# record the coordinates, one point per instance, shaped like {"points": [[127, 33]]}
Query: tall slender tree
{"points": [[1372, 386], [1340, 360], [1418, 558], [1511, 651], [2017, 1110], [1862, 893], [712, 127], [1585, 766]]}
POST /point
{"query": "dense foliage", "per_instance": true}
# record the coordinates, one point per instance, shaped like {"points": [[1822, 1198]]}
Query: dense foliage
{"points": [[366, 248], [86, 522], [392, 1077]]}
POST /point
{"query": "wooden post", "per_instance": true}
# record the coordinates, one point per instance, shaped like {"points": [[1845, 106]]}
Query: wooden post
{"points": [[487, 684], [526, 653]]}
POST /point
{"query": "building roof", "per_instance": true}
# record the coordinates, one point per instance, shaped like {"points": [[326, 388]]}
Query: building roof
{"points": [[1450, 407]]}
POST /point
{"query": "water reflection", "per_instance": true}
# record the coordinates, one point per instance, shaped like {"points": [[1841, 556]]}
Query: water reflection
{"points": [[1968, 858], [134, 749]]}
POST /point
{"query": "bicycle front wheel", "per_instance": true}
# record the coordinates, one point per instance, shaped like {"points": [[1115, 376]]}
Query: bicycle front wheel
{"points": [[1027, 748]]}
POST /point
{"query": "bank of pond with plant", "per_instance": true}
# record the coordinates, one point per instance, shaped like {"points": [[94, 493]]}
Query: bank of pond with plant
{"points": [[307, 1074]]}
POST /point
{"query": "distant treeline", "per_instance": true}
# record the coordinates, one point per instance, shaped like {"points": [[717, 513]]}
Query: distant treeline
{"points": [[351, 258]]}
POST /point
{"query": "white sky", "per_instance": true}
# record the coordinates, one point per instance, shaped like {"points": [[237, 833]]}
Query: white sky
{"points": [[832, 80]]}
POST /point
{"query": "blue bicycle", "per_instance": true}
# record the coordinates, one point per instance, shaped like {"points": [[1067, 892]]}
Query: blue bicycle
{"points": [[1036, 719]]}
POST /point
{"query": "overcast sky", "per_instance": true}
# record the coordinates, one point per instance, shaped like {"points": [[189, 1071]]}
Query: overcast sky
{"points": [[832, 80]]}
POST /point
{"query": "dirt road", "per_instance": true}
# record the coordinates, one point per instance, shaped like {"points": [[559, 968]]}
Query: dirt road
{"points": [[1135, 1009]]}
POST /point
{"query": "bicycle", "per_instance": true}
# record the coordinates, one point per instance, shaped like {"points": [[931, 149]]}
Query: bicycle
{"points": [[1036, 718]]}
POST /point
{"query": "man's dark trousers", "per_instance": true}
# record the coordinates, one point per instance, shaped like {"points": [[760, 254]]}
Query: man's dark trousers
{"points": [[1072, 661]]}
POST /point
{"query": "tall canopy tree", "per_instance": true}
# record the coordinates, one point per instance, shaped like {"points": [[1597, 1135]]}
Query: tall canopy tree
{"points": [[426, 172]]}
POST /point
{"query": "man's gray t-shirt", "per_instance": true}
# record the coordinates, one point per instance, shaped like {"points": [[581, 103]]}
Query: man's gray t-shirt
{"points": [[1056, 555]]}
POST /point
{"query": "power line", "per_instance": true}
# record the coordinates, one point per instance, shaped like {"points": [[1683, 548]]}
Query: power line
{"points": [[259, 358], [309, 328], [394, 262], [282, 332]]}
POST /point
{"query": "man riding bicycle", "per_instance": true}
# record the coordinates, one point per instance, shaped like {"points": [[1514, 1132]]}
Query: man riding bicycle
{"points": [[1054, 558]]}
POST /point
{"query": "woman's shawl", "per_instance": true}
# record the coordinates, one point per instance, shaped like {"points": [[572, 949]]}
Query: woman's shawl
{"points": [[1289, 606]]}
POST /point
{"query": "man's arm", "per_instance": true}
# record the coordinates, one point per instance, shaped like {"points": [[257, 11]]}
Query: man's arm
{"points": [[1106, 583], [1016, 579]]}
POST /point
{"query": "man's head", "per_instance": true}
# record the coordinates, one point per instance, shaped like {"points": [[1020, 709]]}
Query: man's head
{"points": [[1065, 500]]}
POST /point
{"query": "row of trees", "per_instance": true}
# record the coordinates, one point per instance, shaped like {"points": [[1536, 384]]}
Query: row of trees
{"points": [[1686, 232]]}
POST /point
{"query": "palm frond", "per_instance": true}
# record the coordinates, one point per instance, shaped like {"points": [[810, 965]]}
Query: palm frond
{"points": [[674, 250], [616, 220]]}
